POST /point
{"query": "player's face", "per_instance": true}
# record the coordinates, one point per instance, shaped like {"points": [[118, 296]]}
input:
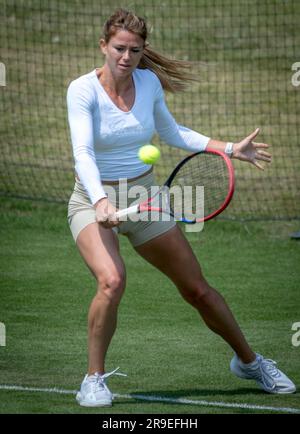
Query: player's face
{"points": [[123, 52]]}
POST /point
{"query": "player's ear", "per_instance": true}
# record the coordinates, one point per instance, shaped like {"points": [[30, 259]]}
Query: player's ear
{"points": [[103, 46]]}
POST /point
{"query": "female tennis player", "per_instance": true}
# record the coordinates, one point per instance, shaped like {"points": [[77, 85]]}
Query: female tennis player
{"points": [[112, 112]]}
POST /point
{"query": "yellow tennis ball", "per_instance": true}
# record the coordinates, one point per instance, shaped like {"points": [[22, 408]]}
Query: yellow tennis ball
{"points": [[149, 154]]}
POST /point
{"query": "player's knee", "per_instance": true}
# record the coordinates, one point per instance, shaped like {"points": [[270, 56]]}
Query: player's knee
{"points": [[197, 294], [113, 285]]}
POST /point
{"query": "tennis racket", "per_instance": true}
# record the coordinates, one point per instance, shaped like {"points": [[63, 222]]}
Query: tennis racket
{"points": [[209, 169]]}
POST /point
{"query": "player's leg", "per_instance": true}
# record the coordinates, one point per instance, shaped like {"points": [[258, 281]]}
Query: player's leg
{"points": [[172, 254], [99, 249]]}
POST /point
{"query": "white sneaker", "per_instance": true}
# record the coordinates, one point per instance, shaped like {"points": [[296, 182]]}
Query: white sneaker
{"points": [[265, 373], [94, 391]]}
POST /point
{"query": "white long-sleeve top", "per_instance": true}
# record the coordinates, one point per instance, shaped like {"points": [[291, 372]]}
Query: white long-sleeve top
{"points": [[106, 140]]}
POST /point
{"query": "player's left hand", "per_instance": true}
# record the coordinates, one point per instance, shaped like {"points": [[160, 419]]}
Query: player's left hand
{"points": [[250, 151]]}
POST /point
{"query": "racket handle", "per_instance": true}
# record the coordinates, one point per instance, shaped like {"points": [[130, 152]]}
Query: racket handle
{"points": [[127, 211]]}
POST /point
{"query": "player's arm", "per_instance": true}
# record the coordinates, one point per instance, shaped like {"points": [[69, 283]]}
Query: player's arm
{"points": [[185, 138], [172, 133], [80, 105]]}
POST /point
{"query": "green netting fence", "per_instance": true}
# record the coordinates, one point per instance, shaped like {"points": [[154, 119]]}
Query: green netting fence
{"points": [[245, 52]]}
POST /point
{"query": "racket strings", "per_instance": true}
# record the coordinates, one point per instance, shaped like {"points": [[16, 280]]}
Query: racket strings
{"points": [[204, 182]]}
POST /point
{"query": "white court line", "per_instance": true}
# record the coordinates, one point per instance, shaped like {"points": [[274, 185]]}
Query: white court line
{"points": [[153, 398]]}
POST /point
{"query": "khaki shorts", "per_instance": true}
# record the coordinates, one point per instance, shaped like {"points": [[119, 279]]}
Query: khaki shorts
{"points": [[81, 212]]}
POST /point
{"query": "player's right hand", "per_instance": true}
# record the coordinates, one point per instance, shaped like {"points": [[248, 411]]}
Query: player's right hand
{"points": [[105, 213]]}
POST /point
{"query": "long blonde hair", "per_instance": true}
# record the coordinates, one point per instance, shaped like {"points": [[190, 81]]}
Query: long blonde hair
{"points": [[173, 74]]}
